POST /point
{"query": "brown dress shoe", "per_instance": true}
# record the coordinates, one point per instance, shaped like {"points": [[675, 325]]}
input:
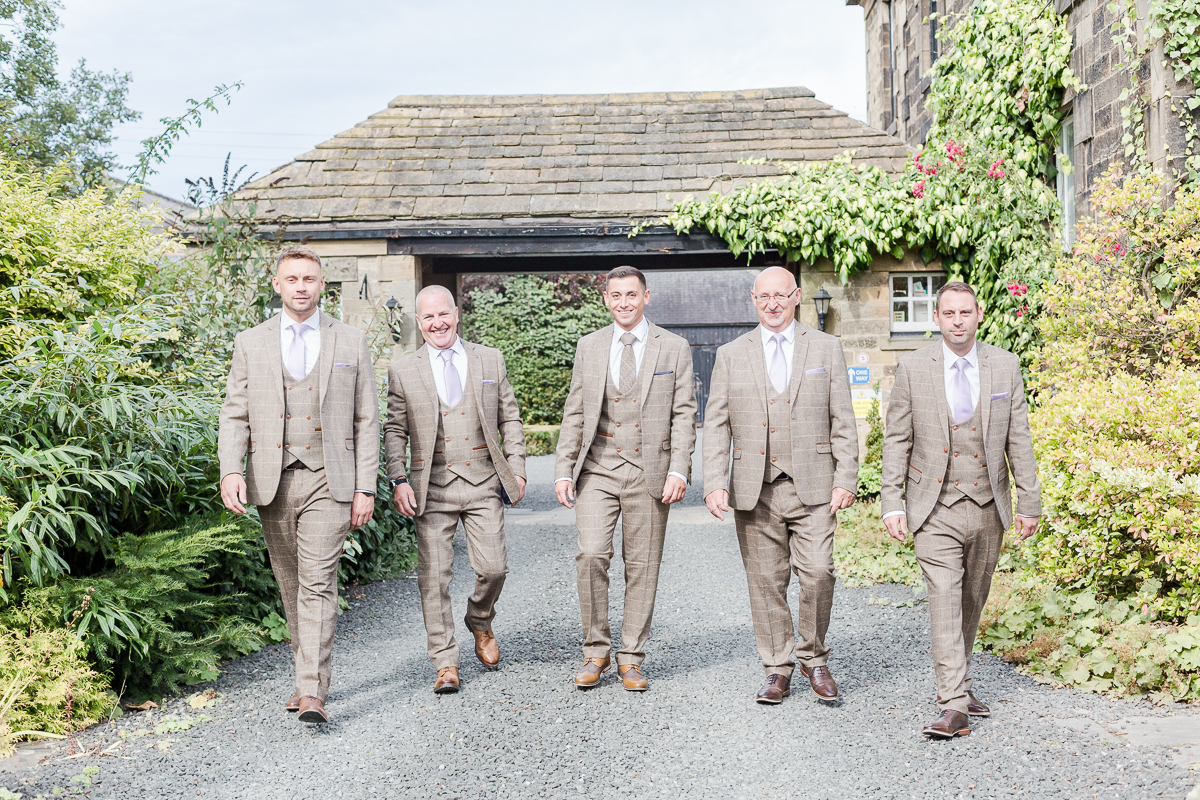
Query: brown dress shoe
{"points": [[974, 707], [632, 678], [486, 649], [821, 680], [948, 725], [774, 690], [447, 681], [589, 675], [312, 710], [293, 703]]}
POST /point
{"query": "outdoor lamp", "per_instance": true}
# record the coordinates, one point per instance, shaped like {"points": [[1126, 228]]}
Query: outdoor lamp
{"points": [[821, 301], [394, 322]]}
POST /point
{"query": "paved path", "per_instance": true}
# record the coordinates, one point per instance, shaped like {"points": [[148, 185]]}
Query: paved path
{"points": [[525, 731]]}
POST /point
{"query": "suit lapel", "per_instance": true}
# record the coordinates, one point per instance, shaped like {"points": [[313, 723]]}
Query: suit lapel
{"points": [[597, 364], [938, 381], [274, 348], [985, 388], [475, 376], [328, 340], [425, 368], [649, 363], [758, 365], [799, 356]]}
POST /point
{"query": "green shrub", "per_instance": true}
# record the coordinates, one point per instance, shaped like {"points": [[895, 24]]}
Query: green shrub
{"points": [[866, 555], [541, 442], [384, 547], [46, 683], [870, 470]]}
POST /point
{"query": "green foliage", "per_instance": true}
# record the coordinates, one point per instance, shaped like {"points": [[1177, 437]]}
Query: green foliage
{"points": [[45, 121], [866, 555], [541, 442], [526, 320], [157, 148], [1074, 638], [385, 546], [870, 470], [46, 683]]}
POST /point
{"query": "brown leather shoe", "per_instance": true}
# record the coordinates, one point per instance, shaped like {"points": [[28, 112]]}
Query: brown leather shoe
{"points": [[948, 725], [589, 675], [774, 690], [312, 710], [632, 678], [821, 680], [293, 703], [447, 681], [974, 707], [486, 649]]}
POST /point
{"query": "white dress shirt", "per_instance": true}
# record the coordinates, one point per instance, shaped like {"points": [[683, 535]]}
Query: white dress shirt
{"points": [[310, 332], [789, 347], [949, 359], [459, 360], [641, 331]]}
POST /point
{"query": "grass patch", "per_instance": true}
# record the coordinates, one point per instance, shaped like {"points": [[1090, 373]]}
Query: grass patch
{"points": [[865, 555]]}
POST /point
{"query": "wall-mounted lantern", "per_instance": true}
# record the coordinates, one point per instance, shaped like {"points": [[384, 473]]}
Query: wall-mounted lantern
{"points": [[821, 301], [394, 321]]}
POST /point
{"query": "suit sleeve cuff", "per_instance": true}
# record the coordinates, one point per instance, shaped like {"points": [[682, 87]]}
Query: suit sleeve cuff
{"points": [[893, 514]]}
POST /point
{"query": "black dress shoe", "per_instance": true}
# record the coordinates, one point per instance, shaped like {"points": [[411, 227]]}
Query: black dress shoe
{"points": [[948, 725], [774, 690]]}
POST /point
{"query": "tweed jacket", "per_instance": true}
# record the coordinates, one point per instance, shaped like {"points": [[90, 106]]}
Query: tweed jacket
{"points": [[824, 432], [667, 406], [916, 442], [251, 421], [412, 422]]}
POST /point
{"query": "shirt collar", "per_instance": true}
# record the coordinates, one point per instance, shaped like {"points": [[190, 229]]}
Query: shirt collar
{"points": [[639, 331], [457, 347], [313, 322], [789, 333], [949, 357]]}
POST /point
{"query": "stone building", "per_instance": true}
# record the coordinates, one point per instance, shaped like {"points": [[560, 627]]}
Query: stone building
{"points": [[902, 46]]}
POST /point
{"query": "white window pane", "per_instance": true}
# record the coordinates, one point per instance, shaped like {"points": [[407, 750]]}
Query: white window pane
{"points": [[921, 312], [899, 287]]}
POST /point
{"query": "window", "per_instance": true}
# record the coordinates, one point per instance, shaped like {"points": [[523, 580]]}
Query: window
{"points": [[892, 59], [912, 298], [933, 30], [1066, 179]]}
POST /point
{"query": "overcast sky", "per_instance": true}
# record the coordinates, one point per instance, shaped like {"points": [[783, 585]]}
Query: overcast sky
{"points": [[312, 69]]}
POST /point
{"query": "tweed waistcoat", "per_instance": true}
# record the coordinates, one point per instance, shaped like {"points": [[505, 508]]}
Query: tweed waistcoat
{"points": [[779, 436], [302, 422], [967, 475], [461, 448], [618, 434]]}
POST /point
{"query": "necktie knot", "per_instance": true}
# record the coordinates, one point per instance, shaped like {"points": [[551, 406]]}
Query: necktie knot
{"points": [[779, 339], [961, 365], [447, 356], [628, 339]]}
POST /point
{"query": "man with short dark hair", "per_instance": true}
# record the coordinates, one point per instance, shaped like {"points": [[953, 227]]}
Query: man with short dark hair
{"points": [[624, 452], [957, 424], [301, 409]]}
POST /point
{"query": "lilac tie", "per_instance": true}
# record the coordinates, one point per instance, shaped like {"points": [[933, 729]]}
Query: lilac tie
{"points": [[778, 371], [295, 361], [961, 406], [453, 382]]}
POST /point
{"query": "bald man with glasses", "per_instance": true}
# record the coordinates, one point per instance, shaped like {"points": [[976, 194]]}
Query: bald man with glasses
{"points": [[779, 410]]}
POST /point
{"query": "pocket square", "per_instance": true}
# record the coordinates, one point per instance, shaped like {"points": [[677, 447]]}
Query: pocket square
{"points": [[1000, 395], [668, 372], [814, 371], [487, 381], [344, 365]]}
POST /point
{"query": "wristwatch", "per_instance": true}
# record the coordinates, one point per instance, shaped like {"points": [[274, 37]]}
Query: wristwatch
{"points": [[396, 482]]}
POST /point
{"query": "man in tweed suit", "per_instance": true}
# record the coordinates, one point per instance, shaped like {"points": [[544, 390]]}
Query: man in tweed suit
{"points": [[453, 414], [301, 403], [779, 403], [957, 424], [624, 451]]}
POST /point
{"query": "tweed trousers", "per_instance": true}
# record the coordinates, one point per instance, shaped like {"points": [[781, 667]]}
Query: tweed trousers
{"points": [[305, 529], [600, 498], [482, 515], [780, 534], [957, 549]]}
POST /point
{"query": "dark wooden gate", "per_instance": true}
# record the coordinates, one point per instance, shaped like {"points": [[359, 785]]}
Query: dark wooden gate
{"points": [[705, 339]]}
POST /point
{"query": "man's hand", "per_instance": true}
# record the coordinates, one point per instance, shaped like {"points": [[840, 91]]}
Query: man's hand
{"points": [[565, 491], [1026, 527], [520, 490], [718, 503], [233, 492], [673, 489], [406, 499], [841, 498], [897, 526], [362, 508]]}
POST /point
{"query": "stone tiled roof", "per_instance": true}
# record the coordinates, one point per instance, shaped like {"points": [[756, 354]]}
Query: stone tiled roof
{"points": [[461, 161]]}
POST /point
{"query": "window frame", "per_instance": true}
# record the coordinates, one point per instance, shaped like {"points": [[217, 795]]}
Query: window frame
{"points": [[1065, 179], [936, 281]]}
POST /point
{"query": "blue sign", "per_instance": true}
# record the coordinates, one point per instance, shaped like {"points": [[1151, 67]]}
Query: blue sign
{"points": [[859, 375]]}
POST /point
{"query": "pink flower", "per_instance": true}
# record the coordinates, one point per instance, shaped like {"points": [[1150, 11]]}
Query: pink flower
{"points": [[994, 171], [1020, 313], [918, 190], [954, 150]]}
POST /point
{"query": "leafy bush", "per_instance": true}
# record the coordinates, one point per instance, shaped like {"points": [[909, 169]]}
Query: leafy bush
{"points": [[541, 442], [526, 319], [866, 555], [385, 546], [46, 683], [870, 469]]}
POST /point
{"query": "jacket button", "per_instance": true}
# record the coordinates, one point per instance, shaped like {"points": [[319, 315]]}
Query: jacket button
{"points": [[468, 463], [764, 424], [955, 427], [449, 466], [281, 416], [635, 425], [463, 413], [772, 430], [976, 483], [616, 399], [956, 483], [467, 438], [618, 424], [945, 450], [445, 413], [310, 388], [975, 455], [289, 416], [277, 444], [939, 480], [309, 417], [956, 455], [762, 452], [635, 399], [307, 447], [618, 449], [287, 447], [772, 461], [636, 449], [972, 427], [447, 441], [772, 402]]}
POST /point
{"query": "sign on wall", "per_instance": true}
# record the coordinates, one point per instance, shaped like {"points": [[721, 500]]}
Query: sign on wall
{"points": [[860, 390]]}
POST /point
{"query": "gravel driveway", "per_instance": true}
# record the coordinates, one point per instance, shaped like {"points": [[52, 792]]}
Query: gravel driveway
{"points": [[525, 731]]}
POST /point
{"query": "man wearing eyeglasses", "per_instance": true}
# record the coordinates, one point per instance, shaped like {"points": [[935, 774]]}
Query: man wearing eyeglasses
{"points": [[779, 403]]}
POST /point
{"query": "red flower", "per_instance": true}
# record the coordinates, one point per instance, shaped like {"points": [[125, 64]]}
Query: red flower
{"points": [[994, 171], [918, 190]]}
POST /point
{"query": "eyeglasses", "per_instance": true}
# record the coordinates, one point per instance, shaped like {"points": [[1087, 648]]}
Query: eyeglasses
{"points": [[763, 299]]}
